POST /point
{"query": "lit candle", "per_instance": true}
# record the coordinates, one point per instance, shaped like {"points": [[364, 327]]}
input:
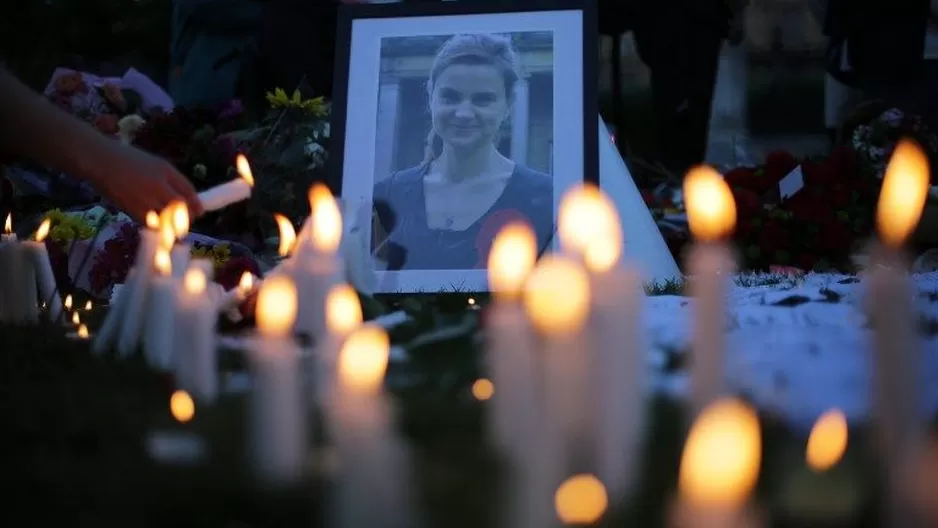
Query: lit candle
{"points": [[719, 468], [343, 315], [317, 268], [510, 340], [40, 256], [160, 315], [277, 420], [373, 461], [230, 303], [590, 226], [195, 334], [174, 226], [557, 300], [711, 213], [287, 239], [232, 192], [516, 410], [7, 242], [580, 500], [80, 334], [68, 302], [135, 292], [893, 317]]}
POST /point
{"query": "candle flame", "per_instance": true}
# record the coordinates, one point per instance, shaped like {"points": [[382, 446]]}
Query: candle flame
{"points": [[326, 221], [76, 320], [343, 309], [903, 194], [244, 169], [8, 224], [557, 296], [711, 210], [88, 306], [276, 306], [162, 262], [483, 389], [720, 464], [363, 360], [580, 500], [167, 234], [195, 281], [176, 216], [68, 302], [82, 331], [287, 235], [511, 259], [43, 231], [586, 215], [603, 253], [246, 283], [181, 406], [152, 220], [828, 441]]}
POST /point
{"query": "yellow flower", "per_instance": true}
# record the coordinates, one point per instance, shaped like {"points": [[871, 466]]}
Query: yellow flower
{"points": [[279, 99], [66, 228], [218, 254]]}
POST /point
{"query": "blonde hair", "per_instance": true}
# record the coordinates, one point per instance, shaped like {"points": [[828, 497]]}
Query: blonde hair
{"points": [[477, 49]]}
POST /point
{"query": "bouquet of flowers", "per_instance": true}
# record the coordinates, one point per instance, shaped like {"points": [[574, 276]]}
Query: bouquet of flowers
{"points": [[874, 138]]}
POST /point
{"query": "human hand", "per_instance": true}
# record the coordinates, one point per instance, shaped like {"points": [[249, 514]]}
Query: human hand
{"points": [[137, 182]]}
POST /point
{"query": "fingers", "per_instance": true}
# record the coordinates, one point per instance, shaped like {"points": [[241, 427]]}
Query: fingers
{"points": [[184, 188]]}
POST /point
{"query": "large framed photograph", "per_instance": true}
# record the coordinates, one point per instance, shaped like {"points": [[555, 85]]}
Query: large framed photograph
{"points": [[445, 120]]}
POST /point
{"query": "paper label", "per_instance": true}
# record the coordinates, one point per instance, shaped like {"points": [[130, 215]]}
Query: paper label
{"points": [[791, 183]]}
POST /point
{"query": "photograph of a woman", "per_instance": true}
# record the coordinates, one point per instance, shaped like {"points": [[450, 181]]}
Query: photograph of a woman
{"points": [[474, 175]]}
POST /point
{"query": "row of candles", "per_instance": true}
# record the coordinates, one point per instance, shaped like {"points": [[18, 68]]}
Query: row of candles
{"points": [[564, 349]]}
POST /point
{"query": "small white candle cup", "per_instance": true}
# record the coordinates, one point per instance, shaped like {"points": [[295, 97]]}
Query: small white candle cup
{"points": [[232, 192], [277, 419]]}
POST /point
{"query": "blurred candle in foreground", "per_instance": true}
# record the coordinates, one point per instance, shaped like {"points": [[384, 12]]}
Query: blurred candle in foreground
{"points": [[134, 295], [894, 320], [581, 500], [614, 338], [373, 460], [318, 265], [516, 411], [343, 316], [175, 224], [278, 427], [158, 330], [711, 213], [719, 468], [235, 191], [36, 249], [7, 248], [287, 235], [195, 339]]}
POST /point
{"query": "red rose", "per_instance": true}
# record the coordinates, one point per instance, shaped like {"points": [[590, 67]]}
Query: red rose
{"points": [[843, 162], [835, 238], [748, 203], [743, 177], [838, 195], [490, 227], [810, 205], [780, 161], [806, 261], [817, 174]]}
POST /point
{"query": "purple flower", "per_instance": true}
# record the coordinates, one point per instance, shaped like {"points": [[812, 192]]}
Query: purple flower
{"points": [[230, 109]]}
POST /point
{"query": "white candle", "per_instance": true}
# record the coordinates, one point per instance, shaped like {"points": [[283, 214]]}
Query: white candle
{"points": [[343, 315], [719, 469], [318, 267], [515, 409], [7, 239], [231, 192], [195, 341], [557, 301], [231, 300], [135, 289], [40, 256], [711, 213], [25, 296], [110, 328], [277, 420], [896, 393], [158, 331], [591, 231], [180, 257], [372, 457]]}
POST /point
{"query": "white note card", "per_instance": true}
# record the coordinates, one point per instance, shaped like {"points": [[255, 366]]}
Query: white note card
{"points": [[791, 183]]}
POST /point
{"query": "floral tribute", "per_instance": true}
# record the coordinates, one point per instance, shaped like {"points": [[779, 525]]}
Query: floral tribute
{"points": [[875, 139]]}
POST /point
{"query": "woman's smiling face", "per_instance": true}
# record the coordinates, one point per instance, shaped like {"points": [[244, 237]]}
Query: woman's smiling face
{"points": [[468, 105]]}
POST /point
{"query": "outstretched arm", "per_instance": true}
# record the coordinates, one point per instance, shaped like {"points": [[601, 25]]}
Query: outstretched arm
{"points": [[31, 128]]}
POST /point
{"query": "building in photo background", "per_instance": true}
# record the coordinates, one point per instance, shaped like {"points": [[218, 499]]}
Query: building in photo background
{"points": [[403, 117]]}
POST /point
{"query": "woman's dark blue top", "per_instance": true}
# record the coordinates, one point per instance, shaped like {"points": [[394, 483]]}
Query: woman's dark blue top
{"points": [[528, 195]]}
